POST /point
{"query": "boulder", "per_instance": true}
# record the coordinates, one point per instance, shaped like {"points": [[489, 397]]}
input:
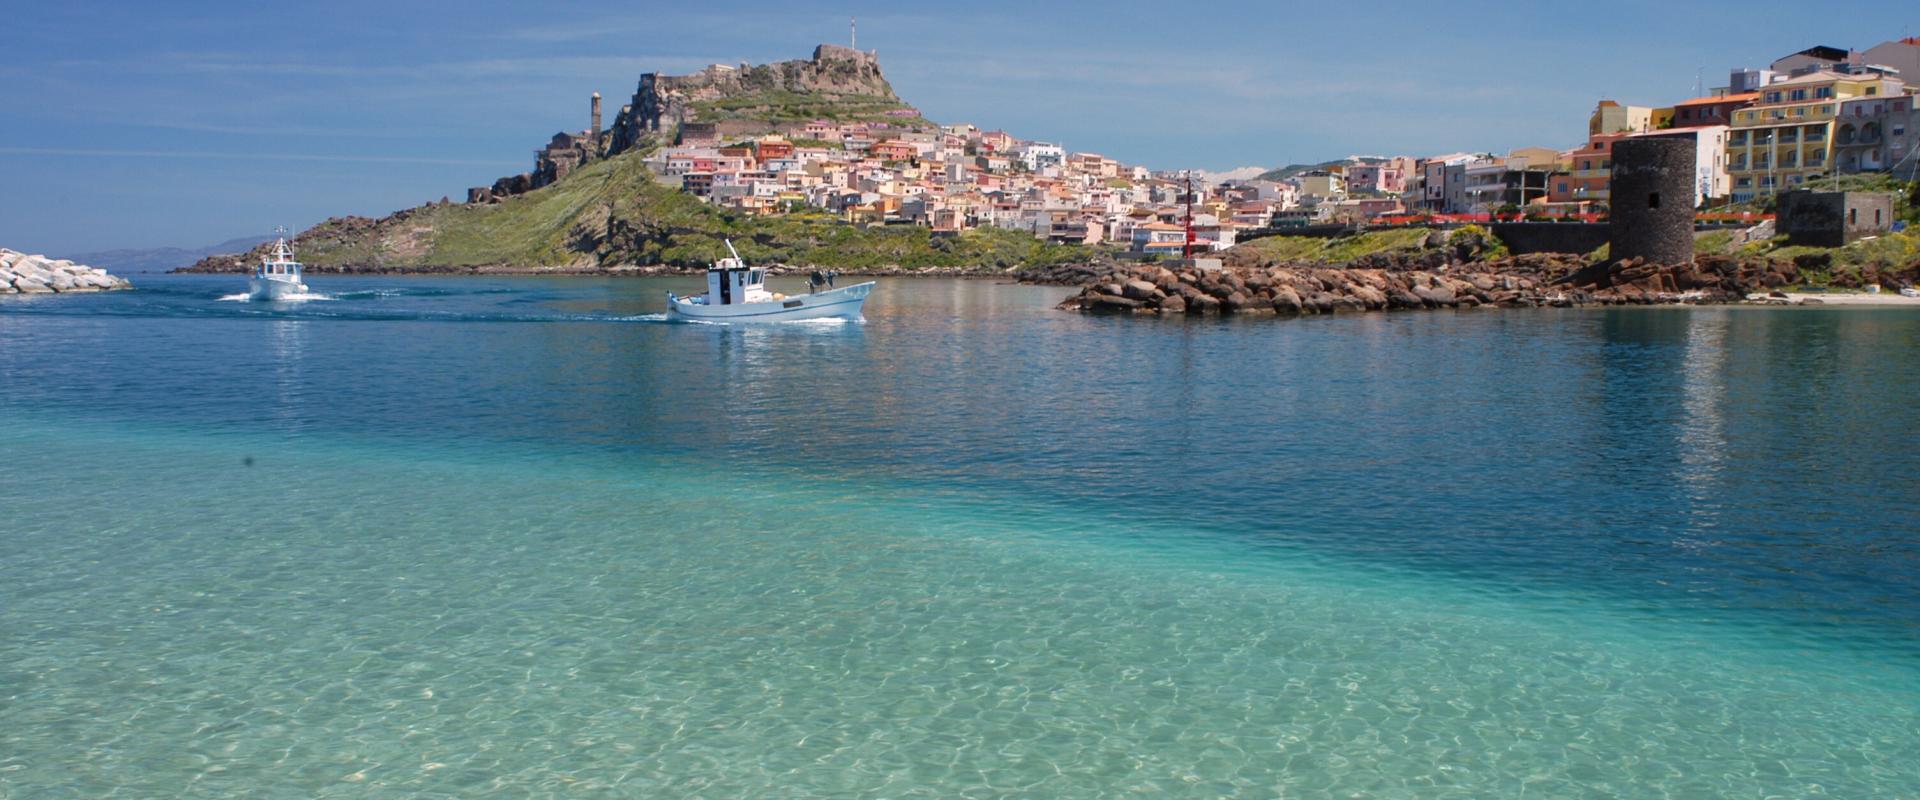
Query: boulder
{"points": [[1141, 290], [1368, 297], [1173, 304], [1203, 304], [1286, 300], [61, 282], [1435, 295], [25, 285], [1108, 302], [1401, 298]]}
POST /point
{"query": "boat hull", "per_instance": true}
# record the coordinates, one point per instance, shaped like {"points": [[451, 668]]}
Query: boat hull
{"points": [[838, 303], [269, 288]]}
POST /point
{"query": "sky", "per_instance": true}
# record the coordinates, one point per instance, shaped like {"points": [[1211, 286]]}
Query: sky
{"points": [[186, 123]]}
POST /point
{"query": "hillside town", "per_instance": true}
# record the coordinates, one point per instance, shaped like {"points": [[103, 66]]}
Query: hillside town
{"points": [[1812, 114]]}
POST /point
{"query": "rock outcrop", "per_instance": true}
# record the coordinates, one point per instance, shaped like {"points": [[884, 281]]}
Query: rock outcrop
{"points": [[21, 273], [1531, 280]]}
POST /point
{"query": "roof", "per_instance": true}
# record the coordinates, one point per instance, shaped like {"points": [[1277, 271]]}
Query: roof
{"points": [[1824, 53], [1708, 101], [1810, 78]]}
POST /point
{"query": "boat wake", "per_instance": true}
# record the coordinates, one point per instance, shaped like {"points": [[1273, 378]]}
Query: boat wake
{"points": [[244, 297]]}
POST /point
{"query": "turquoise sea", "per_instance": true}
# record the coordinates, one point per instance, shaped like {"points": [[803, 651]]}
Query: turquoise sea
{"points": [[519, 537]]}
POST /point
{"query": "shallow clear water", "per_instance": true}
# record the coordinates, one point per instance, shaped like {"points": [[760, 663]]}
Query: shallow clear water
{"points": [[511, 537]]}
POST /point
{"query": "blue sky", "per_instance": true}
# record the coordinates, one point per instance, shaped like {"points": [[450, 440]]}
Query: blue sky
{"points": [[186, 123]]}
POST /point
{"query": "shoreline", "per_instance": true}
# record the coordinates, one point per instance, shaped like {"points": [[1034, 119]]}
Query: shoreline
{"points": [[628, 272]]}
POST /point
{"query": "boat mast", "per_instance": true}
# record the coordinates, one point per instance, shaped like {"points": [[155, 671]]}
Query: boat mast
{"points": [[736, 253]]}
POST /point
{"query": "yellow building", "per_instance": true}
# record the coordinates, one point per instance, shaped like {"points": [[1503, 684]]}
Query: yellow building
{"points": [[1611, 117], [1786, 138]]}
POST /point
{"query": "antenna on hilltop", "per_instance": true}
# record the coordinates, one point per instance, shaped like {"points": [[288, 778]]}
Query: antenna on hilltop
{"points": [[853, 33]]}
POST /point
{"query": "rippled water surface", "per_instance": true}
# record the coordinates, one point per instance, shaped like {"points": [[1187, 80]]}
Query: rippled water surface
{"points": [[521, 537]]}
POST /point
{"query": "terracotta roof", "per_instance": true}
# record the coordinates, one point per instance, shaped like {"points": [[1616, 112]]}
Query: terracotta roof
{"points": [[1707, 101]]}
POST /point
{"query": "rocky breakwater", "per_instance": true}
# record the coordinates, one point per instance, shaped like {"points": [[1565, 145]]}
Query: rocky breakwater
{"points": [[1523, 281], [21, 273]]}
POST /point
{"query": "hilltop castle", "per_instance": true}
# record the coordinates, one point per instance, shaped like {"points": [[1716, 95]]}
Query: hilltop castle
{"points": [[718, 102]]}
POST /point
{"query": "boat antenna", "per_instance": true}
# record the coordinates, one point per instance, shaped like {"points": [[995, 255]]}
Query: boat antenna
{"points": [[736, 253]]}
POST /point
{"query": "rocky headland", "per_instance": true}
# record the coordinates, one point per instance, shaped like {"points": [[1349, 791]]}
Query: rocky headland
{"points": [[22, 273]]}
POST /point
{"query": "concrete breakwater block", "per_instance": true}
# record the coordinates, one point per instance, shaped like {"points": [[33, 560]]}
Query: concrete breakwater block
{"points": [[23, 273]]}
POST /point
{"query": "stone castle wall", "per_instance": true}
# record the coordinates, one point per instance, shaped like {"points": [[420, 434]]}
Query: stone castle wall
{"points": [[662, 103]]}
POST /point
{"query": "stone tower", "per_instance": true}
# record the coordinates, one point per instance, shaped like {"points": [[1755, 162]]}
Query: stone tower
{"points": [[594, 131], [1651, 200]]}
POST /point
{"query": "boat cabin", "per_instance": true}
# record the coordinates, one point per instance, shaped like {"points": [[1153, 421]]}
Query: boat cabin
{"points": [[279, 262], [730, 282]]}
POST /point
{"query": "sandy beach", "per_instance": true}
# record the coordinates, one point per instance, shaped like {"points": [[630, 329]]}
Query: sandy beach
{"points": [[1843, 298]]}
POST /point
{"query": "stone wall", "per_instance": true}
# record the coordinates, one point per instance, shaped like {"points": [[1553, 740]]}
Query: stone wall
{"points": [[662, 103], [1832, 219], [1651, 200], [1523, 238]]}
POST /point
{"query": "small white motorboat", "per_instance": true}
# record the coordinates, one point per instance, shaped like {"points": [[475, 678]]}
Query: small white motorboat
{"points": [[737, 293], [278, 276]]}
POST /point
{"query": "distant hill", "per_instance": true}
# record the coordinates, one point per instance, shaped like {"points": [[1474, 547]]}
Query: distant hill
{"points": [[161, 259], [1291, 170], [1236, 174]]}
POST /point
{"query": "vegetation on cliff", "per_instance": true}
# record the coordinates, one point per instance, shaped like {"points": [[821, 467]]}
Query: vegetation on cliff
{"points": [[614, 212]]}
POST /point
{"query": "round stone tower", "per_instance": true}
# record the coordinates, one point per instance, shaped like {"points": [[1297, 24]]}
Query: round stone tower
{"points": [[1652, 200]]}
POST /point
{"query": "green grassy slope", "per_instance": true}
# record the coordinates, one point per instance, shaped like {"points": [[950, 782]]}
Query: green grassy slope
{"points": [[614, 212]]}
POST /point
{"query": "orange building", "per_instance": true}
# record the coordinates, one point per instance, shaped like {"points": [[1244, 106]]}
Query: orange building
{"points": [[1703, 111], [771, 148], [1591, 174]]}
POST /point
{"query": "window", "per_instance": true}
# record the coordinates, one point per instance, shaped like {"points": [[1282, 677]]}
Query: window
{"points": [[1876, 217], [1799, 94], [1773, 97], [1826, 92], [1873, 90], [1853, 217], [1744, 183], [1653, 200], [1738, 138]]}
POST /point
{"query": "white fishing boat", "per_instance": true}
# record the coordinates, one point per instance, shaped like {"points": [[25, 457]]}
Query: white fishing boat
{"points": [[738, 293], [278, 276]]}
